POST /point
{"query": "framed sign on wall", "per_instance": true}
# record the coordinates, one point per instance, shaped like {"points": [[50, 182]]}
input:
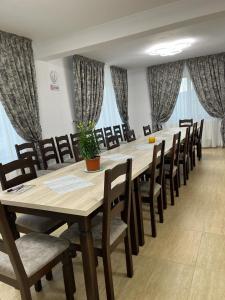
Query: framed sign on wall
{"points": [[54, 85]]}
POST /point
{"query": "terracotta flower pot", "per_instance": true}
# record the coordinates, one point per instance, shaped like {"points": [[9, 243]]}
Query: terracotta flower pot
{"points": [[93, 164]]}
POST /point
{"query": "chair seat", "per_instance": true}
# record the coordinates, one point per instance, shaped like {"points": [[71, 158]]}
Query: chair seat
{"points": [[117, 228], [145, 189], [36, 250], [167, 170], [69, 161], [42, 172], [57, 166], [36, 223], [182, 157]]}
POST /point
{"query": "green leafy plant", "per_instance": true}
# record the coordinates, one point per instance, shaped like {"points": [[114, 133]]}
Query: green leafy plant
{"points": [[89, 147]]}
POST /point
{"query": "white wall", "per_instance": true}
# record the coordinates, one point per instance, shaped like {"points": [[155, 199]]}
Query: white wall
{"points": [[139, 109], [56, 107]]}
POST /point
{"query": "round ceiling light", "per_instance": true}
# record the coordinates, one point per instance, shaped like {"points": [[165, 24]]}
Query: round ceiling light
{"points": [[170, 48]]}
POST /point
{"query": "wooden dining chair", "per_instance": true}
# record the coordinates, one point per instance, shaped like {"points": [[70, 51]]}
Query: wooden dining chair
{"points": [[25, 261], [76, 147], [147, 130], [64, 149], [118, 132], [185, 122], [198, 141], [192, 145], [113, 225], [151, 190], [171, 167], [49, 154], [99, 136], [131, 136], [184, 156], [27, 150], [108, 132], [24, 171], [125, 129], [112, 142]]}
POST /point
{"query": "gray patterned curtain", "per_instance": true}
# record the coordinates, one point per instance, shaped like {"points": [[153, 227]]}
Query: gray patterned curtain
{"points": [[18, 90], [208, 76], [89, 88], [120, 85], [164, 84]]}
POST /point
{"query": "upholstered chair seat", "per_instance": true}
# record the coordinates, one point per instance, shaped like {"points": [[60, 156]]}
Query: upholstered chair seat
{"points": [[145, 189], [42, 172], [117, 228], [55, 167], [36, 250]]}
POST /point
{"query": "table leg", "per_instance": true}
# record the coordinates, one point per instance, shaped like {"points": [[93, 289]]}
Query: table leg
{"points": [[11, 216], [133, 225], [138, 204], [88, 257]]}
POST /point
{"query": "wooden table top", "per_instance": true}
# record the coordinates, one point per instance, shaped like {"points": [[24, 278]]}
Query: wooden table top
{"points": [[84, 201]]}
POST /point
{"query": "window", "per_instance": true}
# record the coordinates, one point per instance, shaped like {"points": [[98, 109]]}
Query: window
{"points": [[8, 138], [188, 106], [109, 114]]}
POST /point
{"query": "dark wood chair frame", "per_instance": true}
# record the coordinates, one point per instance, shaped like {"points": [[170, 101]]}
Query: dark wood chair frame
{"points": [[48, 152], [147, 130], [156, 176], [108, 132], [99, 136], [185, 122], [112, 142], [22, 281], [27, 150], [64, 147], [192, 146], [125, 129], [116, 203], [184, 156], [118, 132], [75, 145], [131, 136], [198, 141], [174, 162]]}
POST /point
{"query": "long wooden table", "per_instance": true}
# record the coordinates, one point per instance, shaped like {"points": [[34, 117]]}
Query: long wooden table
{"points": [[80, 205]]}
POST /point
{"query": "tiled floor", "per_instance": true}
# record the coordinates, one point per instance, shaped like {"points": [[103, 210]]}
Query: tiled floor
{"points": [[185, 261]]}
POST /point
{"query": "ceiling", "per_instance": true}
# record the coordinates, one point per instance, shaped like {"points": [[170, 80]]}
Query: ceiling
{"points": [[130, 52], [46, 19]]}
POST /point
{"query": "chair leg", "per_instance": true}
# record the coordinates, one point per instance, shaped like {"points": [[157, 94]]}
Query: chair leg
{"points": [[188, 167], [172, 190], [25, 293], [164, 195], [108, 275], [178, 170], [194, 164], [160, 207], [185, 171], [128, 253], [176, 180], [152, 217], [38, 286], [49, 276], [68, 276]]}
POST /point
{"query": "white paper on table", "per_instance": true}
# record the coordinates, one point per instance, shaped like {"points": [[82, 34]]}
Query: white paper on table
{"points": [[144, 146], [117, 157], [67, 184]]}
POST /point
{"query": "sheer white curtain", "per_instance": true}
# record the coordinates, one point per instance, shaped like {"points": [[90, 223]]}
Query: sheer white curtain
{"points": [[189, 107], [109, 114], [8, 138]]}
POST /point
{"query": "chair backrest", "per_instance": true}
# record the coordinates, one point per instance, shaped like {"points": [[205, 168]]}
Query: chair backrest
{"points": [[125, 129], [147, 130], [174, 161], [75, 137], [8, 247], [193, 135], [108, 132], [200, 131], [187, 142], [112, 142], [118, 132], [117, 197], [99, 136], [27, 150], [22, 170], [48, 151], [131, 136], [185, 122], [157, 163], [64, 147]]}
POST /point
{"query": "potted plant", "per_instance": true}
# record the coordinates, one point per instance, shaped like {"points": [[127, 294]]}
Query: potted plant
{"points": [[89, 147]]}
